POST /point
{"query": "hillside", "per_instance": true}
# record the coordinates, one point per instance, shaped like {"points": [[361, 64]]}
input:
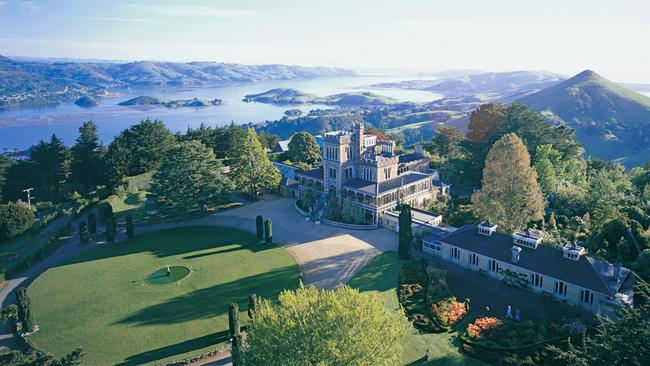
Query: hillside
{"points": [[496, 85], [42, 77], [611, 121], [283, 96]]}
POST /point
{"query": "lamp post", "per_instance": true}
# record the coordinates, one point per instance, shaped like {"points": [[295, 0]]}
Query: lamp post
{"points": [[29, 197]]}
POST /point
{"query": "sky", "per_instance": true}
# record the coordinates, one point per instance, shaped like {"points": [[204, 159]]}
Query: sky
{"points": [[567, 36]]}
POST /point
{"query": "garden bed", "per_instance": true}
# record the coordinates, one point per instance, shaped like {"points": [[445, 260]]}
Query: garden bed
{"points": [[510, 342], [425, 298]]}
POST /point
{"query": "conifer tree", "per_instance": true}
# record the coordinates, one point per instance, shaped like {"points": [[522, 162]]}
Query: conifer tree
{"points": [[510, 195], [252, 170], [259, 227], [268, 231], [253, 303], [87, 157], [25, 310], [405, 231], [233, 319], [130, 230]]}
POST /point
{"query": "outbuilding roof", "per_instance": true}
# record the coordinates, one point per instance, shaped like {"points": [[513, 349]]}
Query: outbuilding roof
{"points": [[587, 272]]}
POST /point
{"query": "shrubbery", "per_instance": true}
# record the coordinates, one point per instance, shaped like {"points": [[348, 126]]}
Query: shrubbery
{"points": [[413, 282], [14, 220]]}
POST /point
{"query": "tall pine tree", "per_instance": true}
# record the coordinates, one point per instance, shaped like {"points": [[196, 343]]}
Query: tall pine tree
{"points": [[252, 169], [405, 231], [51, 169], [510, 195], [87, 165]]}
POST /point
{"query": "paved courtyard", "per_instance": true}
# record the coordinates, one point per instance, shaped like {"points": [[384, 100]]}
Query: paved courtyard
{"points": [[327, 255]]}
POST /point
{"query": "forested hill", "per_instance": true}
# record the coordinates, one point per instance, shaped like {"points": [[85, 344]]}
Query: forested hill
{"points": [[611, 121], [28, 76]]}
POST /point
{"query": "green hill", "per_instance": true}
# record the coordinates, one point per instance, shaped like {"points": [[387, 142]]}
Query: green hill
{"points": [[292, 96], [357, 99], [281, 96], [611, 121]]}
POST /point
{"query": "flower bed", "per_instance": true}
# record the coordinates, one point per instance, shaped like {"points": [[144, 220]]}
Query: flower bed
{"points": [[475, 329], [413, 281], [449, 311]]}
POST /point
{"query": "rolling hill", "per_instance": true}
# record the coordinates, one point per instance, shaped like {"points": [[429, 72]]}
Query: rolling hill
{"points": [[282, 96], [610, 120]]}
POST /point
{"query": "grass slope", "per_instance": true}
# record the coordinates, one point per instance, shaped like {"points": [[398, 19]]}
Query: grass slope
{"points": [[99, 301], [380, 276]]}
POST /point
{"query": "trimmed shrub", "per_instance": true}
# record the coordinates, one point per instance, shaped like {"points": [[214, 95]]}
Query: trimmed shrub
{"points": [[268, 231], [25, 310], [14, 220], [130, 230], [92, 223], [111, 229], [253, 303], [84, 237], [259, 226], [233, 319]]}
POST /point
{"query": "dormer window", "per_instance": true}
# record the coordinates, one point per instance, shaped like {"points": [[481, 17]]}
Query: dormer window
{"points": [[487, 228], [528, 238], [573, 251]]}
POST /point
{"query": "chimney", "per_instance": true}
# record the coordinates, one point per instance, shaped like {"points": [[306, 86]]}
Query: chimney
{"points": [[515, 250], [418, 150], [617, 270]]}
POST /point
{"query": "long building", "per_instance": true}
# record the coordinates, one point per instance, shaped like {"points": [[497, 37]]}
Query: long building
{"points": [[567, 274], [362, 167]]}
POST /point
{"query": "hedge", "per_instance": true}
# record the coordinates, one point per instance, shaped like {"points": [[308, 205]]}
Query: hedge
{"points": [[14, 220]]}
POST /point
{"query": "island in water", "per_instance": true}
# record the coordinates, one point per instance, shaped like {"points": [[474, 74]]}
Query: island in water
{"points": [[87, 102], [286, 96], [145, 100]]}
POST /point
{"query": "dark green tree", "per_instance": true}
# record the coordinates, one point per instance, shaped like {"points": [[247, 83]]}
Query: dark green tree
{"points": [[15, 219], [92, 223], [190, 178], [5, 163], [252, 170], [237, 350], [304, 148], [642, 265], [233, 319], [268, 231], [25, 310], [405, 231], [87, 167], [130, 230], [51, 169], [253, 303], [259, 226], [84, 237], [228, 140]]}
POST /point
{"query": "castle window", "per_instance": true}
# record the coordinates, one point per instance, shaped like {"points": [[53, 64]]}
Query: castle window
{"points": [[493, 266], [536, 280], [586, 297], [473, 259], [455, 253]]}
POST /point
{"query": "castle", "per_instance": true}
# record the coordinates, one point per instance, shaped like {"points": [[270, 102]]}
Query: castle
{"points": [[365, 168]]}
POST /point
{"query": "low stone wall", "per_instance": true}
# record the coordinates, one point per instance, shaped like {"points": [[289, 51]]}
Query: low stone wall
{"points": [[349, 226]]}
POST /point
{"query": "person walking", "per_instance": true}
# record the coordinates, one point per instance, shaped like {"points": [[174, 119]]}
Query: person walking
{"points": [[517, 315], [509, 312]]}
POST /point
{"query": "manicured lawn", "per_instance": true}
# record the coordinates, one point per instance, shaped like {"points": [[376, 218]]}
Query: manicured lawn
{"points": [[380, 275], [134, 204], [100, 301]]}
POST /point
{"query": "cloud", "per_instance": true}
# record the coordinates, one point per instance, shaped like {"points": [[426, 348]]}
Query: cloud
{"points": [[117, 19], [31, 6], [191, 11]]}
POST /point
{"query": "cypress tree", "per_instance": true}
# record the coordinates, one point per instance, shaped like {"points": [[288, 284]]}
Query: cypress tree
{"points": [[25, 310], [510, 195], [92, 223], [111, 229], [268, 231], [237, 350], [83, 232], [259, 226], [405, 232], [130, 230], [233, 319], [252, 305]]}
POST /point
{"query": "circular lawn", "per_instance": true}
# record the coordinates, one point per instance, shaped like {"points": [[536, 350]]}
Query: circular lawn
{"points": [[101, 300]]}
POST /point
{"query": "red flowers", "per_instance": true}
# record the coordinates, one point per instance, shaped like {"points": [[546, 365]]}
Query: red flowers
{"points": [[449, 310], [482, 324]]}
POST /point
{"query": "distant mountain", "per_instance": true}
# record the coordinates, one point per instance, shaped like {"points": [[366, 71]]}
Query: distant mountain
{"points": [[34, 77], [610, 120], [282, 96], [496, 85]]}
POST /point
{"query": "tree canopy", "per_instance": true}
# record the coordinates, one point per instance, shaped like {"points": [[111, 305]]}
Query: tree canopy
{"points": [[510, 195], [485, 121], [304, 148], [87, 166], [252, 170], [319, 327], [190, 178]]}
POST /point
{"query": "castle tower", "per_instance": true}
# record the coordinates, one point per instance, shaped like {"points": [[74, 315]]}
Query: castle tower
{"points": [[336, 153], [357, 140]]}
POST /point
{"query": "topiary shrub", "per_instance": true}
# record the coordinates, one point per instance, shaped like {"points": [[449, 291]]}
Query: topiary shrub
{"points": [[25, 310], [259, 227], [130, 230], [268, 231], [14, 220]]}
